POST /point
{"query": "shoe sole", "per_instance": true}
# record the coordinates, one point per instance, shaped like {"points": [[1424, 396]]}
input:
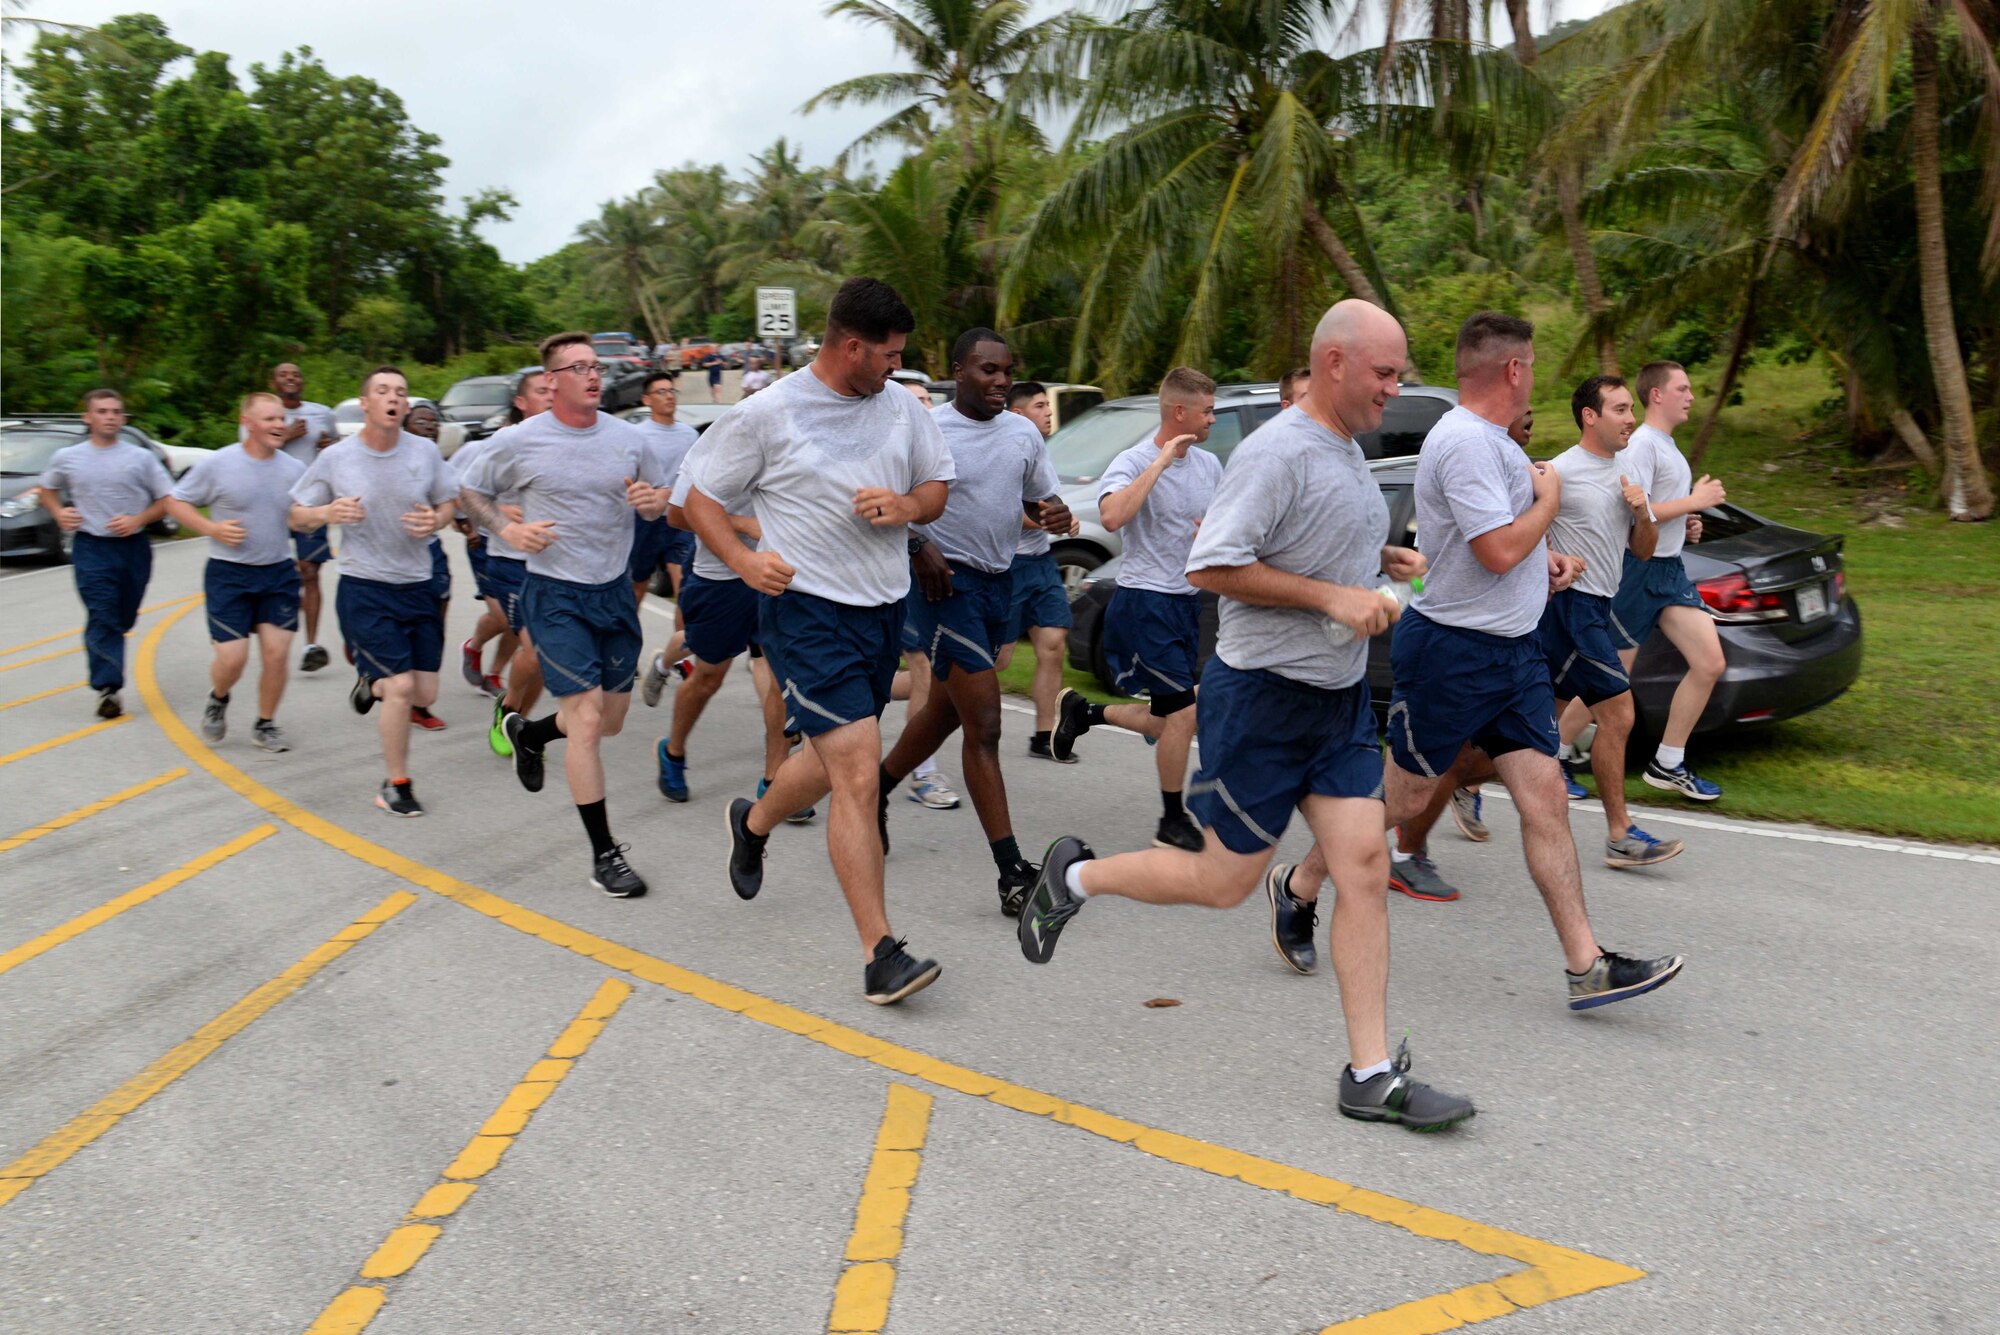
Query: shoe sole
{"points": [[1480, 837], [1271, 895], [1402, 888], [934, 806], [915, 985], [215, 736], [1621, 861], [1063, 752], [802, 817], [406, 815], [1664, 787], [1060, 760], [1627, 993], [730, 825], [639, 893], [273, 750], [1396, 1118]]}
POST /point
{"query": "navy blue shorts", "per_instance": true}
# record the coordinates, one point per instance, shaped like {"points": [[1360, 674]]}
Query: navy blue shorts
{"points": [[1153, 641], [1576, 643], [503, 585], [243, 597], [313, 545], [393, 628], [587, 635], [656, 544], [1455, 686], [720, 617], [440, 572], [1269, 742], [835, 661], [1039, 596], [1646, 589], [967, 629]]}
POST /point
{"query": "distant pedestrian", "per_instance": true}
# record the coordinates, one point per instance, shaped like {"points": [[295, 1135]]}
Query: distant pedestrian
{"points": [[754, 379], [713, 364]]}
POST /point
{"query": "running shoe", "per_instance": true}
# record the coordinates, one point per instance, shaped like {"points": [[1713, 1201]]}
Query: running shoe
{"points": [[1015, 882], [362, 696], [1615, 977], [1072, 722], [269, 737], [894, 973], [423, 718], [930, 790], [109, 705], [1680, 779], [1292, 920], [1040, 749], [399, 799], [654, 682], [799, 817], [1465, 812], [1571, 769], [746, 851], [673, 779], [1418, 878], [1639, 849], [214, 718], [314, 659], [496, 735], [612, 874], [1393, 1097], [527, 759], [1049, 905], [1178, 831], [492, 685], [470, 667]]}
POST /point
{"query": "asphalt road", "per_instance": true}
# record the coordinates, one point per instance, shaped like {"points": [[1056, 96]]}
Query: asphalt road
{"points": [[417, 1076]]}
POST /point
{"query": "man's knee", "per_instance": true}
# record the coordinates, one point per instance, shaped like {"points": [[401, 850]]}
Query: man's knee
{"points": [[1228, 877], [399, 689], [1614, 714]]}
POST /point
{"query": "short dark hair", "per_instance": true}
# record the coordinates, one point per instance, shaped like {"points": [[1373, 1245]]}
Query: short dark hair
{"points": [[971, 339], [869, 309], [383, 369], [1478, 335], [514, 413], [1652, 376], [97, 394], [1186, 382], [1291, 378], [1590, 394], [1023, 390], [653, 378], [563, 340]]}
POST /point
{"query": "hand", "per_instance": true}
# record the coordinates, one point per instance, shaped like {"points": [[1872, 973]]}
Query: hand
{"points": [[530, 538], [229, 532], [122, 526], [69, 519], [1635, 496], [1563, 570], [1174, 444], [1548, 483], [422, 522], [513, 512], [1708, 491], [1404, 564], [767, 573], [638, 495], [933, 572], [1694, 528], [346, 510], [1056, 518], [884, 508], [295, 430], [1363, 611]]}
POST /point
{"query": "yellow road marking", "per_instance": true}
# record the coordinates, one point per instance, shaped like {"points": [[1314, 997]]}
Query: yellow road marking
{"points": [[101, 1116], [1553, 1272], [861, 1298], [356, 1305], [104, 913], [53, 742], [63, 822], [65, 634], [43, 658], [41, 695]]}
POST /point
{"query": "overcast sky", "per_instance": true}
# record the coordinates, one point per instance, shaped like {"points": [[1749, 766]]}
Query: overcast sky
{"points": [[567, 105]]}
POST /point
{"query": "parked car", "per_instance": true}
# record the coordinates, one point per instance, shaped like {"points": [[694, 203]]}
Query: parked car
{"points": [[694, 350], [1068, 402], [1791, 637], [27, 443], [481, 402]]}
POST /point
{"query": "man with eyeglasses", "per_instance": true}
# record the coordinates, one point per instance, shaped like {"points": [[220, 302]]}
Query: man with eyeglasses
{"points": [[580, 473]]}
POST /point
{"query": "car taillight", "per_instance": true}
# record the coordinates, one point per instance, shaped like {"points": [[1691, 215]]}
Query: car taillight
{"points": [[1730, 598], [1839, 587]]}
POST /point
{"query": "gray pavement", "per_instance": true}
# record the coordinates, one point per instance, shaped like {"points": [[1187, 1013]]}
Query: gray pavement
{"points": [[1797, 1134]]}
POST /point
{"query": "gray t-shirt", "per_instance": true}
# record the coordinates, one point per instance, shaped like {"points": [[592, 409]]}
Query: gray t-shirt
{"points": [[460, 464], [666, 446], [1157, 539], [1658, 465], [256, 493], [102, 482], [1035, 541], [796, 453], [1594, 522], [1000, 463], [1471, 479], [706, 563], [575, 477], [1300, 499], [390, 483]]}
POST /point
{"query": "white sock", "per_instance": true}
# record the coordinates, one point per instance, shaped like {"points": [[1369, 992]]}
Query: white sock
{"points": [[1073, 880], [1568, 752], [1370, 1072], [1398, 855], [927, 768], [1670, 757]]}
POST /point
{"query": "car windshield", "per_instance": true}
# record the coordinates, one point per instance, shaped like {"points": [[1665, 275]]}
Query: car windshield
{"points": [[489, 394], [1083, 449], [27, 453]]}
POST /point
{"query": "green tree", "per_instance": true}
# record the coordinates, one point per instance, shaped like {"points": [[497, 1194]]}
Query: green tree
{"points": [[694, 205], [623, 247]]}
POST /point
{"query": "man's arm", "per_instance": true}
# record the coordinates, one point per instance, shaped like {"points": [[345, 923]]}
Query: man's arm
{"points": [[1116, 509], [1707, 491], [184, 513], [1645, 534], [1363, 611], [1501, 549], [764, 571]]}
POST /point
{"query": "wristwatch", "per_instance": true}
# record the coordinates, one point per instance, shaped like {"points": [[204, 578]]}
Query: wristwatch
{"points": [[916, 543]]}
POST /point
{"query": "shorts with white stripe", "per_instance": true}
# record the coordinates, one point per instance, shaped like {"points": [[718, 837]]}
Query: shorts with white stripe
{"points": [[966, 629], [836, 662]]}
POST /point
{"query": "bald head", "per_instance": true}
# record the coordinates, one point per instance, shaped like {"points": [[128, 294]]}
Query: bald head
{"points": [[1358, 351]]}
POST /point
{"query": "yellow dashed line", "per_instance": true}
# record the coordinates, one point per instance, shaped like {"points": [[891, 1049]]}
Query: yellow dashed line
{"points": [[101, 1116], [861, 1299], [67, 634], [68, 737], [356, 1306], [43, 658], [40, 695], [63, 822], [1554, 1272]]}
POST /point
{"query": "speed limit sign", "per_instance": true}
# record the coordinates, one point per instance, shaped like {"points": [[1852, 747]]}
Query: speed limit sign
{"points": [[777, 312]]}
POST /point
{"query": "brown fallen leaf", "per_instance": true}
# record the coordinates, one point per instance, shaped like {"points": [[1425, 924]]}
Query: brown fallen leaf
{"points": [[1158, 1002]]}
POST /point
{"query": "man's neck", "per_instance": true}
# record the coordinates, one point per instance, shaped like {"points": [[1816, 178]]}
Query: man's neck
{"points": [[977, 410], [106, 442], [1591, 447], [662, 419], [579, 419], [1496, 406], [291, 401], [259, 449], [381, 439], [1326, 416], [1658, 421]]}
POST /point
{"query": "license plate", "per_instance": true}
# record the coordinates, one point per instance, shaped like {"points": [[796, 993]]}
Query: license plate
{"points": [[1812, 603]]}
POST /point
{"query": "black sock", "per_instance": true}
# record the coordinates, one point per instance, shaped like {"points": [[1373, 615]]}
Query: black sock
{"points": [[263, 723], [887, 780], [540, 732], [1005, 853], [1170, 803], [1039, 742], [1093, 714], [219, 699], [597, 823]]}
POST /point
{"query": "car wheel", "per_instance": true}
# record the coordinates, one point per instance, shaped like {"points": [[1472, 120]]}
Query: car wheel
{"points": [[1076, 561]]}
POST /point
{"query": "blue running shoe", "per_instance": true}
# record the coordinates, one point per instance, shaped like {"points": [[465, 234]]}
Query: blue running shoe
{"points": [[1680, 779], [673, 773], [1571, 768], [797, 817], [1636, 848]]}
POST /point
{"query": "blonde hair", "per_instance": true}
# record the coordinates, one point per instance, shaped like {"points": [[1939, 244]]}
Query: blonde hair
{"points": [[251, 400]]}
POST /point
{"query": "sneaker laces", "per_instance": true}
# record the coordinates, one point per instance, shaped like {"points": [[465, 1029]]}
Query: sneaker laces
{"points": [[614, 858], [1401, 1066], [1634, 832]]}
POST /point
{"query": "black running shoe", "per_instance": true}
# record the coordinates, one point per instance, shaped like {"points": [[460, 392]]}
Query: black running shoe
{"points": [[746, 852], [1015, 883], [108, 704], [1040, 749], [362, 697], [399, 799], [1178, 831], [1072, 722], [1050, 905], [1393, 1097], [527, 759], [314, 659], [893, 974], [215, 719], [612, 874], [1292, 920], [1616, 977]]}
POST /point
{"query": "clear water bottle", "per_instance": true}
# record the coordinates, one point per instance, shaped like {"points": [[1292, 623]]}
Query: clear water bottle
{"points": [[1399, 592]]}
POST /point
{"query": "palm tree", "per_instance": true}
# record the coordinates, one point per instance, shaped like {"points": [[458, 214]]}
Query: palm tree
{"points": [[695, 205], [623, 247]]}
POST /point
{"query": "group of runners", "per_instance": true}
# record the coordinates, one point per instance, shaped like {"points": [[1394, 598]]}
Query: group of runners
{"points": [[836, 528]]}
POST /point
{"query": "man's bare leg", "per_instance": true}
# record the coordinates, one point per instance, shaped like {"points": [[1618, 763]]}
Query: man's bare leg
{"points": [[843, 762], [1360, 931], [1692, 632], [309, 598], [225, 669], [1535, 783], [777, 747], [392, 719], [274, 647], [1607, 759]]}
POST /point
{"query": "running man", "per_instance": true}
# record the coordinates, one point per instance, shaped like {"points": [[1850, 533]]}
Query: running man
{"points": [[835, 471], [913, 685], [1041, 602], [250, 582], [104, 490], [1156, 493], [1292, 543], [390, 492], [423, 421], [964, 595], [713, 364], [580, 473], [309, 428], [656, 543]]}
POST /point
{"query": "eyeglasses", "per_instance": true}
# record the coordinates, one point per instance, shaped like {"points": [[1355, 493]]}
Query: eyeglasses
{"points": [[585, 369], [661, 389]]}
